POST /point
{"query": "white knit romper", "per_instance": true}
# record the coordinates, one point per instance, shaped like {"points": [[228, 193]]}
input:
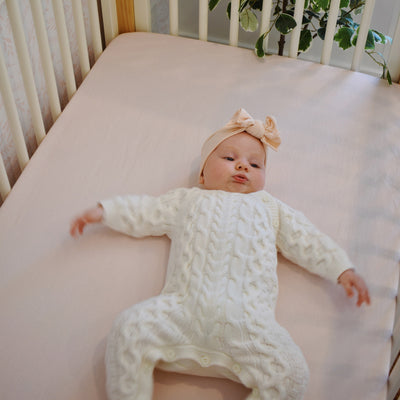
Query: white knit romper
{"points": [[215, 314]]}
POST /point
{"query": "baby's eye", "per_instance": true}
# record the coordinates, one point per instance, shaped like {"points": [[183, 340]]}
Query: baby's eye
{"points": [[254, 165], [229, 158]]}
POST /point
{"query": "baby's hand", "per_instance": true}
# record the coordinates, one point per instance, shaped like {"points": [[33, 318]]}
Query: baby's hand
{"points": [[88, 217], [349, 280]]}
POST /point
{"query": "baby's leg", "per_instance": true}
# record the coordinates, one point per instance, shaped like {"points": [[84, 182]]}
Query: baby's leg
{"points": [[275, 364], [135, 344]]}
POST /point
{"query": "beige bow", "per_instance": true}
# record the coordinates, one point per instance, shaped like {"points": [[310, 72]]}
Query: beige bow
{"points": [[267, 133]]}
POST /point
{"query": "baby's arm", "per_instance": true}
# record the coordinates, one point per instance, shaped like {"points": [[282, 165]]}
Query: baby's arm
{"points": [[136, 215], [301, 242], [91, 216]]}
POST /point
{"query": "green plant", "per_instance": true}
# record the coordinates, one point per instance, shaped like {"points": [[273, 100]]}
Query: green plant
{"points": [[315, 18]]}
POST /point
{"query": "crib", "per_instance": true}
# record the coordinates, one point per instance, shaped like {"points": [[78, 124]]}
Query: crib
{"points": [[133, 116]]}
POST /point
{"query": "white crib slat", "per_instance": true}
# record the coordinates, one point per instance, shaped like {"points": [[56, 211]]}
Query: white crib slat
{"points": [[173, 17], [394, 56], [203, 19], [26, 69], [265, 18], [81, 37], [142, 15], [12, 114], [234, 24], [110, 19], [362, 34], [265, 15], [95, 28], [4, 182], [45, 57], [64, 47], [330, 32], [295, 36]]}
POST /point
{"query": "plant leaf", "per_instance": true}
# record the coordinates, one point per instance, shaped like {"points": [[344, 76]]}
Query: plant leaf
{"points": [[324, 4], [256, 4], [356, 3], [212, 4], [389, 77], [344, 3], [305, 20], [380, 37], [323, 21], [358, 11], [243, 4], [347, 21], [248, 20], [370, 43], [355, 37], [315, 7], [285, 23], [311, 14], [259, 48], [354, 40], [277, 10], [306, 3], [321, 33], [343, 37], [305, 40]]}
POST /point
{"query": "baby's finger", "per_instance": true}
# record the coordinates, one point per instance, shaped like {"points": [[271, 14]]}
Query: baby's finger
{"points": [[76, 227], [363, 297], [72, 229], [348, 288], [82, 224], [363, 294]]}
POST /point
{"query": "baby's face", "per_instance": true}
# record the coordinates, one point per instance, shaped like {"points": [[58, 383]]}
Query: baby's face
{"points": [[236, 165]]}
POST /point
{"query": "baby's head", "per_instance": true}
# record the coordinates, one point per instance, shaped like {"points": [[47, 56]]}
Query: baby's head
{"points": [[234, 158]]}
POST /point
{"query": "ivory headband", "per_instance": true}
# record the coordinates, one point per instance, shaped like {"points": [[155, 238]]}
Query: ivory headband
{"points": [[242, 121]]}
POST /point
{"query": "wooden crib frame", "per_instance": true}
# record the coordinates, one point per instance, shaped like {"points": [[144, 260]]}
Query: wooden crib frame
{"points": [[120, 16]]}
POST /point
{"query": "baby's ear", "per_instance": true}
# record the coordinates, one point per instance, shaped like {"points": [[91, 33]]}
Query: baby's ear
{"points": [[201, 179]]}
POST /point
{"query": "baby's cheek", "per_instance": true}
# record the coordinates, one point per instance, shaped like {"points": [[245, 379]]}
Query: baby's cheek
{"points": [[260, 180]]}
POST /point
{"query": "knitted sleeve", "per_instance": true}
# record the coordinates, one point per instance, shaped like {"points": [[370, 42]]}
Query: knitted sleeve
{"points": [[142, 215], [302, 243]]}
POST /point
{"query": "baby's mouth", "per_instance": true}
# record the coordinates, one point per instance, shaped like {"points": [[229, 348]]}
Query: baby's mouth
{"points": [[240, 178]]}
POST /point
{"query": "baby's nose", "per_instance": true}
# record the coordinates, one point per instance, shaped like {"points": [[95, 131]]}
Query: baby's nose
{"points": [[241, 165]]}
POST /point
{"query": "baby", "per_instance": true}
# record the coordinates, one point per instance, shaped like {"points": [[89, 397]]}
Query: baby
{"points": [[215, 314]]}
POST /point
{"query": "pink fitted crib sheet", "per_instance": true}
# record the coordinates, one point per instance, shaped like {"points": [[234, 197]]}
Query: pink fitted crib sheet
{"points": [[136, 125]]}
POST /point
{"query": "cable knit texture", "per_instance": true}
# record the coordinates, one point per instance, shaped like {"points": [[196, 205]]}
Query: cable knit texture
{"points": [[215, 314]]}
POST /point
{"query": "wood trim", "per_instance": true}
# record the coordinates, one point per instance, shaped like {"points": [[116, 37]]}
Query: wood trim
{"points": [[126, 16]]}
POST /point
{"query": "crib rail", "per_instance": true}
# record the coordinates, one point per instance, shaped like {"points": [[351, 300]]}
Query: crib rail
{"points": [[117, 17], [143, 20], [108, 18], [46, 60]]}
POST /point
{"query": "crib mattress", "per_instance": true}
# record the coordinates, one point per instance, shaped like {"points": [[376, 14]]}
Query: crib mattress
{"points": [[136, 125]]}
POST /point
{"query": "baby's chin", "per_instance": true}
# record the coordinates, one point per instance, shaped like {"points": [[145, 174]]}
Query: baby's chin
{"points": [[234, 188], [244, 190]]}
